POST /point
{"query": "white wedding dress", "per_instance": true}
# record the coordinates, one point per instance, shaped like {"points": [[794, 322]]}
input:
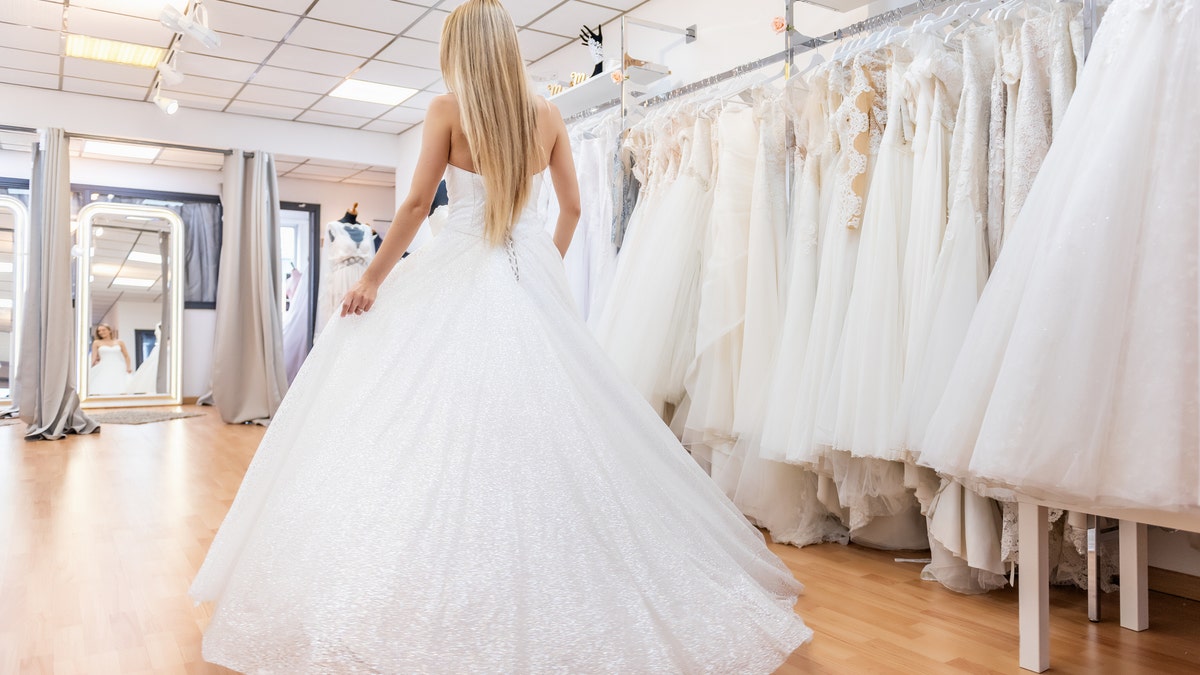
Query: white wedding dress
{"points": [[109, 376], [1078, 377], [510, 505]]}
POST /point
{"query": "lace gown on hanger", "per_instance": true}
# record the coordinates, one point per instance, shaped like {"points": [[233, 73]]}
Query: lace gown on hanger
{"points": [[1078, 377], [511, 505]]}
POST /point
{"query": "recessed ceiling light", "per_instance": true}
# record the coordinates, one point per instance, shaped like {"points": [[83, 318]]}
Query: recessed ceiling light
{"points": [[372, 92], [133, 283], [138, 256], [113, 51], [6, 303], [6, 268], [106, 269], [126, 150], [141, 218]]}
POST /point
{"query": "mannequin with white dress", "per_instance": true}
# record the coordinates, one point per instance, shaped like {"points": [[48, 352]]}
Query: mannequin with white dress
{"points": [[348, 246]]}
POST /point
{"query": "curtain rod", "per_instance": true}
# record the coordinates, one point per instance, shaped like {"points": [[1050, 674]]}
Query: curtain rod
{"points": [[157, 144], [24, 130], [808, 44]]}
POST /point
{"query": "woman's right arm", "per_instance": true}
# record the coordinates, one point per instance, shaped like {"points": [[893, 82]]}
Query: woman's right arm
{"points": [[431, 166]]}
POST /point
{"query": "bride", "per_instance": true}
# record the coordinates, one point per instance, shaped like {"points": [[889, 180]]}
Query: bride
{"points": [[459, 480]]}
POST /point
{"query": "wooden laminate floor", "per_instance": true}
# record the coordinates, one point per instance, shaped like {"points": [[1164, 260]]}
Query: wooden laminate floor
{"points": [[100, 536]]}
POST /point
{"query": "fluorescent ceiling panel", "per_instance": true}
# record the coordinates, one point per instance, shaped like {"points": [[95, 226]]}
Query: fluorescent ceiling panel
{"points": [[372, 92], [112, 51], [126, 150], [139, 256]]}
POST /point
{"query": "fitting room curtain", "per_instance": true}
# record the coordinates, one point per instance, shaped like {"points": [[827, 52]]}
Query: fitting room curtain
{"points": [[249, 378], [46, 370]]}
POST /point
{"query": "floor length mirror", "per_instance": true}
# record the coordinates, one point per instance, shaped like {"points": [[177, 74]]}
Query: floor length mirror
{"points": [[129, 300], [14, 224]]}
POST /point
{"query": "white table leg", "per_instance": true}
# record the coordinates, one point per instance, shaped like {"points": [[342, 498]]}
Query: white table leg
{"points": [[1034, 586], [1135, 588]]}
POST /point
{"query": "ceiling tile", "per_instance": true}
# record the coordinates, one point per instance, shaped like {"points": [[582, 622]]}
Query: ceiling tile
{"points": [[278, 97], [146, 9], [197, 101], [104, 88], [397, 75], [263, 110], [25, 60], [46, 15], [289, 6], [333, 119], [212, 66], [429, 27], [290, 159], [109, 72], [347, 107], [438, 87], [413, 52], [450, 5], [315, 61], [187, 165], [28, 37], [28, 78], [228, 17], [241, 48], [295, 79], [334, 37], [536, 44], [388, 127], [528, 10], [337, 172], [404, 115], [567, 19], [191, 157], [207, 86], [374, 178], [117, 27], [623, 5], [382, 15], [420, 100]]}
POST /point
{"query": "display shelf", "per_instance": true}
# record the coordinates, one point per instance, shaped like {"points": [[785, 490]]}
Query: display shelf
{"points": [[601, 89], [1034, 583]]}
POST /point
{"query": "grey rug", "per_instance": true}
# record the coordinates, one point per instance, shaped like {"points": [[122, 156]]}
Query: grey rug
{"points": [[138, 416]]}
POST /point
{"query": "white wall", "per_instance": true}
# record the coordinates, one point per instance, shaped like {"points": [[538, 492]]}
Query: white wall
{"points": [[128, 316], [199, 329]]}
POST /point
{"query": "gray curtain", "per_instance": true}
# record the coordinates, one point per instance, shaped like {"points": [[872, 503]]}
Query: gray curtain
{"points": [[249, 379], [202, 250], [46, 374], [166, 333]]}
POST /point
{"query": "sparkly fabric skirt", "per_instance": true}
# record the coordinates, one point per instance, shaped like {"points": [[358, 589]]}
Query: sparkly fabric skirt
{"points": [[460, 481]]}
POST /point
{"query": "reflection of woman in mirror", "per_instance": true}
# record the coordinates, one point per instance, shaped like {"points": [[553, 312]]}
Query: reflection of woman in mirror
{"points": [[110, 363]]}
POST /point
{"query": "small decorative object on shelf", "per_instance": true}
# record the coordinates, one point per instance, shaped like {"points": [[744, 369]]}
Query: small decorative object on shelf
{"points": [[577, 78], [594, 41], [554, 88], [779, 25], [618, 76]]}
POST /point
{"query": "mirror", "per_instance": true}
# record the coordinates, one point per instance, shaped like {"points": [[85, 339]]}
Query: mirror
{"points": [[14, 224], [129, 305]]}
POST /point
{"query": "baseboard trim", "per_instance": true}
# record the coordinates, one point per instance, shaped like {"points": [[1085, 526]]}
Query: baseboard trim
{"points": [[1175, 583], [190, 400]]}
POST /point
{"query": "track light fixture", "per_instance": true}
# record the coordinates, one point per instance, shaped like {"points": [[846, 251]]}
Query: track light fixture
{"points": [[167, 105], [194, 24], [167, 70]]}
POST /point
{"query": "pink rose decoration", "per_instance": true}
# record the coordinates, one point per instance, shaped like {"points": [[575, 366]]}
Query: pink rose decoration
{"points": [[779, 24], [618, 76]]}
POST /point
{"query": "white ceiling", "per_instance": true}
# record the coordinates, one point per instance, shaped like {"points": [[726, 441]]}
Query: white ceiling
{"points": [[278, 58]]}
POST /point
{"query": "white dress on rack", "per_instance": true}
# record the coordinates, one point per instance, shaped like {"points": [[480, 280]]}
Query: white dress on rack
{"points": [[510, 505], [870, 364], [642, 325], [712, 378], [348, 250], [1078, 378]]}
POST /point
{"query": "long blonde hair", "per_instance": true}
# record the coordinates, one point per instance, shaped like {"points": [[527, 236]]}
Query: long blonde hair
{"points": [[482, 66]]}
